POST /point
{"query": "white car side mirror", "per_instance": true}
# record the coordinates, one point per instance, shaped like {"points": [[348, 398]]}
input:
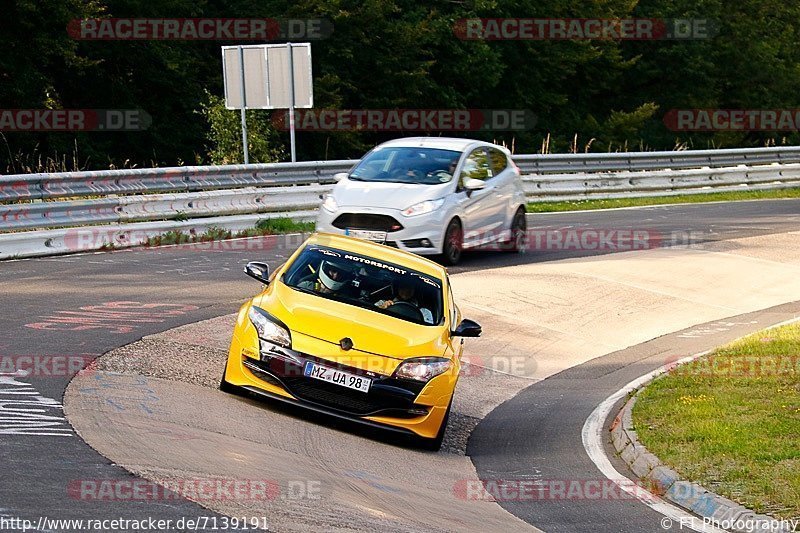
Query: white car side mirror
{"points": [[472, 184], [339, 176]]}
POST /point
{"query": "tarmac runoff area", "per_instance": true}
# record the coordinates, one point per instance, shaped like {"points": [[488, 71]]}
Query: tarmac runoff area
{"points": [[153, 408]]}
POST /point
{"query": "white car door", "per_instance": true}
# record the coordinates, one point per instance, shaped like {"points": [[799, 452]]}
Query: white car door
{"points": [[504, 191], [479, 211]]}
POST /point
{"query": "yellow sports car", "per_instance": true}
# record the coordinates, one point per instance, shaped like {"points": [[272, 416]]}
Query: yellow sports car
{"points": [[356, 330]]}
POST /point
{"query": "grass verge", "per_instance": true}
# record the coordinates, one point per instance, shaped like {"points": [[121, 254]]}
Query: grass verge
{"points": [[730, 421], [267, 226], [547, 207]]}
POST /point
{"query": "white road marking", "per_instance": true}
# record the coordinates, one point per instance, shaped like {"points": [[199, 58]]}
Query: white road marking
{"points": [[592, 436], [23, 411]]}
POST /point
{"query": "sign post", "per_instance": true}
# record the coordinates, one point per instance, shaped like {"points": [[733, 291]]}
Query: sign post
{"points": [[291, 101], [268, 76], [244, 113]]}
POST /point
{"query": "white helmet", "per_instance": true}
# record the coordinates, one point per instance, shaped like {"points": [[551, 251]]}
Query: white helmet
{"points": [[325, 269]]}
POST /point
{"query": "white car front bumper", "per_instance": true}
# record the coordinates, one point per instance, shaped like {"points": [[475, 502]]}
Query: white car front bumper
{"points": [[422, 234]]}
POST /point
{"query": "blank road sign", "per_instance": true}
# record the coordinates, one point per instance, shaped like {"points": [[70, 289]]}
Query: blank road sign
{"points": [[278, 74], [254, 75], [232, 76], [266, 74]]}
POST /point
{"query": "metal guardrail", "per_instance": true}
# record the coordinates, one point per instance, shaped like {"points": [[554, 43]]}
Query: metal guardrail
{"points": [[133, 206], [19, 187], [189, 179], [140, 208], [675, 160], [565, 187], [91, 238]]}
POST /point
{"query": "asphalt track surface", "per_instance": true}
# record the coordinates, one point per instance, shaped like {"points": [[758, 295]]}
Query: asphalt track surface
{"points": [[541, 434], [51, 309]]}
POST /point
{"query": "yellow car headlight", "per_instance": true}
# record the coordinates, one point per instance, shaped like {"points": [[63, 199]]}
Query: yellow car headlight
{"points": [[423, 369], [267, 329]]}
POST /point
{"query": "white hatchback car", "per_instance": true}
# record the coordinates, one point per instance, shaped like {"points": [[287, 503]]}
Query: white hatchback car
{"points": [[430, 195]]}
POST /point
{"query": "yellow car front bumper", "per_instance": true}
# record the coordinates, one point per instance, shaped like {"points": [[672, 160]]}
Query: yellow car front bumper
{"points": [[404, 405]]}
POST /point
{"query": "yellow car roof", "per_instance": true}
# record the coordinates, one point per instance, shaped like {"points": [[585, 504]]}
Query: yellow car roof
{"points": [[379, 251]]}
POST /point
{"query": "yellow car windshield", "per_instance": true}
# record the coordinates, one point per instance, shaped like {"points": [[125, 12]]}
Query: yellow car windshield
{"points": [[368, 283]]}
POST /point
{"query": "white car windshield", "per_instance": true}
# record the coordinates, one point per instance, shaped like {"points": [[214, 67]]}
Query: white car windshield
{"points": [[427, 166], [365, 282]]}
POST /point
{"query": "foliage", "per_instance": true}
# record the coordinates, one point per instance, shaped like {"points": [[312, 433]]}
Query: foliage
{"points": [[594, 95], [708, 196], [729, 420], [270, 226], [225, 134], [282, 225]]}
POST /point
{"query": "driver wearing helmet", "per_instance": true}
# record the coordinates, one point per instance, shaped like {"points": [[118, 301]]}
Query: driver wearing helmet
{"points": [[331, 278], [405, 293]]}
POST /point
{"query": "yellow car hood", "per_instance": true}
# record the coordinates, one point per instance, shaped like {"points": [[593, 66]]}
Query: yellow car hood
{"points": [[322, 323]]}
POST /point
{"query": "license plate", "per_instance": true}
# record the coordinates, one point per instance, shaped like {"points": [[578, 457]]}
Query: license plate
{"points": [[368, 235], [337, 377]]}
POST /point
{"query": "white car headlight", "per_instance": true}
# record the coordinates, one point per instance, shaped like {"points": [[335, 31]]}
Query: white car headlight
{"points": [[267, 329], [329, 204], [423, 207], [423, 369]]}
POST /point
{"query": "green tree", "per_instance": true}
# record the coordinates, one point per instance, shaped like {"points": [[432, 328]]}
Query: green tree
{"points": [[750, 60], [225, 134], [386, 54]]}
